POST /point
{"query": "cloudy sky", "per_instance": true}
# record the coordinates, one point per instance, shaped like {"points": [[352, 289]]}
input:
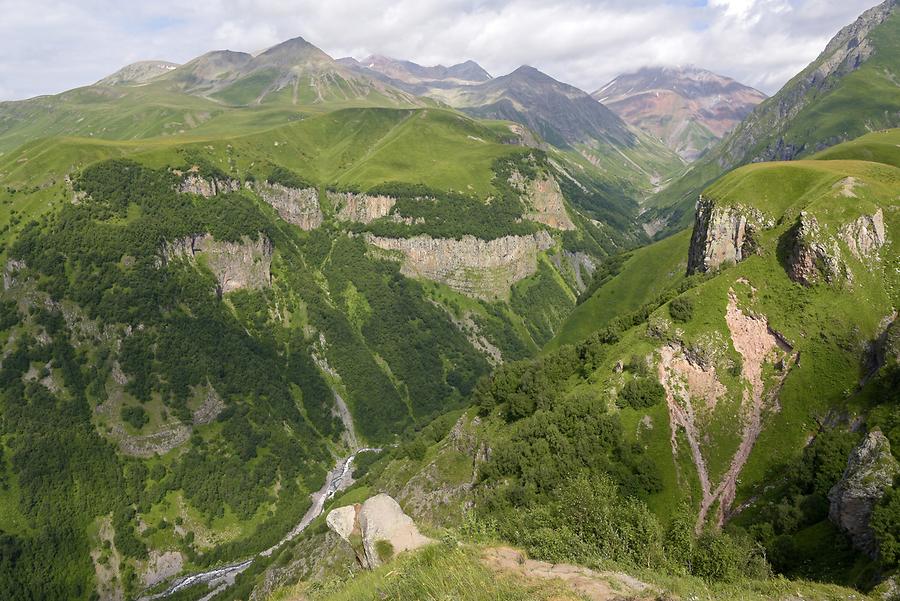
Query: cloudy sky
{"points": [[47, 46]]}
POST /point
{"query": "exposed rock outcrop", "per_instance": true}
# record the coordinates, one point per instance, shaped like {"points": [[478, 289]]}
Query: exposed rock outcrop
{"points": [[870, 471], [160, 566], [691, 374], [544, 202], [865, 236], [376, 528], [484, 269], [236, 265], [581, 265], [298, 206], [723, 235], [210, 408], [361, 208], [814, 256], [207, 187]]}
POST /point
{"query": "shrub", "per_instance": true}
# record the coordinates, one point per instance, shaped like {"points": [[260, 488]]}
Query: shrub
{"points": [[681, 309], [589, 519], [721, 557], [135, 416], [640, 393], [886, 524]]}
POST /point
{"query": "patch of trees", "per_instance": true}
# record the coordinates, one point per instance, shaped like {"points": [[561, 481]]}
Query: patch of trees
{"points": [[435, 362], [542, 302], [640, 393], [287, 178], [135, 416]]}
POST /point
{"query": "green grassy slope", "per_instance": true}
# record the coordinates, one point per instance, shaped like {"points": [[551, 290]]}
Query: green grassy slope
{"points": [[648, 272], [542, 414]]}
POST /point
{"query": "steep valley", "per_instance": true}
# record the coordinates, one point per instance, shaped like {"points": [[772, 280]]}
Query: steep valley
{"points": [[279, 327]]}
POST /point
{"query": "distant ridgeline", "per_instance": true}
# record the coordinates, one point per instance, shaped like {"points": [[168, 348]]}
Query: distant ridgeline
{"points": [[184, 327]]}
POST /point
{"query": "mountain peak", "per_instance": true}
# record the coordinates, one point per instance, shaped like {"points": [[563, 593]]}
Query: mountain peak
{"points": [[139, 72], [687, 107], [293, 51]]}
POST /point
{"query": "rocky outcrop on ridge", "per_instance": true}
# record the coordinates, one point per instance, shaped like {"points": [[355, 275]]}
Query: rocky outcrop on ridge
{"points": [[361, 208], [236, 265], [485, 269], [816, 254], [871, 469], [865, 236], [723, 235], [207, 187], [814, 257], [377, 530], [298, 206]]}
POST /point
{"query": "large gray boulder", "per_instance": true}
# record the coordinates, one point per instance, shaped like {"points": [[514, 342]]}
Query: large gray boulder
{"points": [[871, 469], [377, 530]]}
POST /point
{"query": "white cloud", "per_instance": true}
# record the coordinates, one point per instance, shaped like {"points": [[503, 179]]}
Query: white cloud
{"points": [[47, 46]]}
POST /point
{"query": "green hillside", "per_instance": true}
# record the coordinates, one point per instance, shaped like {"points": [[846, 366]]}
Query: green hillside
{"points": [[611, 453], [849, 90], [190, 341], [631, 281]]}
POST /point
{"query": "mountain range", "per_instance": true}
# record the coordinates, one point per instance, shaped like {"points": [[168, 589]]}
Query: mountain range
{"points": [[279, 326]]}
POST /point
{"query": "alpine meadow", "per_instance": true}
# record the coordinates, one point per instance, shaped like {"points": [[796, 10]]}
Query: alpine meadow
{"points": [[290, 325]]}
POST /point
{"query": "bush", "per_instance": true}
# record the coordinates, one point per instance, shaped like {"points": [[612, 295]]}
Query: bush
{"points": [[135, 416], [681, 309], [640, 393], [721, 557], [588, 519]]}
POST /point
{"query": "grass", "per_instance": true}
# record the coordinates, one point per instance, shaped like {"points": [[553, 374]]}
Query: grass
{"points": [[648, 272], [442, 573], [436, 573]]}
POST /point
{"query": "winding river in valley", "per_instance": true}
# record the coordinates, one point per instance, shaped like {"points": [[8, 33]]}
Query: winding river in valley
{"points": [[222, 577]]}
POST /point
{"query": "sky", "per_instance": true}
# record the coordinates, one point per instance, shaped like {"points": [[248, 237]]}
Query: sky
{"points": [[48, 46]]}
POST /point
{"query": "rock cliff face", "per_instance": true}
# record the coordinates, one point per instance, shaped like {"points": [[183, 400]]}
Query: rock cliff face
{"points": [[207, 187], [579, 264], [865, 236], [362, 208], [814, 256], [484, 269], [378, 520], [236, 265], [299, 206], [722, 235], [870, 470], [544, 202]]}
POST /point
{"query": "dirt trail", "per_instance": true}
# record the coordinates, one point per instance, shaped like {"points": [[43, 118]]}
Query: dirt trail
{"points": [[586, 583], [756, 343]]}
